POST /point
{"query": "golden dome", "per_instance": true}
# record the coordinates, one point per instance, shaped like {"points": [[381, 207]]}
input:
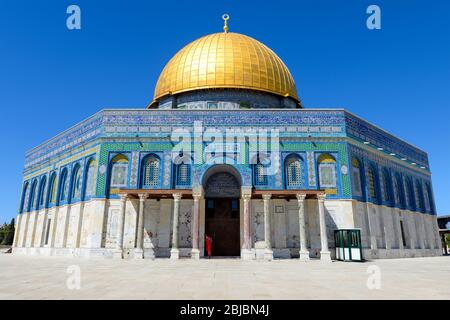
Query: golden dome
{"points": [[226, 60]]}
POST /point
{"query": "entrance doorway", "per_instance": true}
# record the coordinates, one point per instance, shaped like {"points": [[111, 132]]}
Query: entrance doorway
{"points": [[222, 225], [222, 215]]}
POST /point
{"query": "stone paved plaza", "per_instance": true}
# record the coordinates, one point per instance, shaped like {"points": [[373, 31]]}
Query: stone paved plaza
{"points": [[30, 277]]}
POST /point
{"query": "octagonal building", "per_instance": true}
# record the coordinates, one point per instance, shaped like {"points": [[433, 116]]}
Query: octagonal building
{"points": [[226, 151]]}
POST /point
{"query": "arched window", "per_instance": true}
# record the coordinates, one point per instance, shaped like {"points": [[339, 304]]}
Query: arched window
{"points": [[293, 169], [76, 182], [356, 177], [260, 175], [419, 196], [42, 191], [386, 185], [327, 171], [25, 194], [398, 193], [183, 171], [426, 198], [119, 173], [63, 186], [52, 189], [371, 182], [184, 174], [89, 190], [31, 202], [410, 193], [150, 172], [430, 197]]}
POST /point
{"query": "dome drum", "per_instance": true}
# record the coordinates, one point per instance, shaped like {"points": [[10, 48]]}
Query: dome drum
{"points": [[225, 99]]}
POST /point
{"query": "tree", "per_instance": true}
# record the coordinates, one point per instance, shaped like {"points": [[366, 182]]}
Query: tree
{"points": [[7, 233], [3, 230]]}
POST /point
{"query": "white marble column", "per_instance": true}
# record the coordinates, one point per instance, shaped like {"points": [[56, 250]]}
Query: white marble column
{"points": [[195, 252], [304, 253], [139, 251], [324, 252], [118, 252], [268, 253], [246, 251], [174, 252]]}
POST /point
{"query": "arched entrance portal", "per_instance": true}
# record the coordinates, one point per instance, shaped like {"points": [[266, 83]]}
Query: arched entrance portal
{"points": [[222, 192]]}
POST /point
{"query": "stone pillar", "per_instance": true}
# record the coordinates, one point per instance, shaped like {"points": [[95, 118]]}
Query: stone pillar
{"points": [[80, 225], [18, 229], [66, 226], [174, 252], [268, 253], [324, 252], [371, 222], [25, 231], [304, 253], [399, 228], [118, 253], [54, 227], [411, 230], [139, 251], [195, 252], [435, 227], [44, 228], [418, 226], [33, 231], [246, 251]]}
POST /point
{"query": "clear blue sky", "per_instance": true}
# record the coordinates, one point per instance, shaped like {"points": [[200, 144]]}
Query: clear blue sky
{"points": [[51, 78]]}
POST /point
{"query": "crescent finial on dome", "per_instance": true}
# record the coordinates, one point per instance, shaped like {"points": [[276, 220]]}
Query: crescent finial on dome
{"points": [[225, 18]]}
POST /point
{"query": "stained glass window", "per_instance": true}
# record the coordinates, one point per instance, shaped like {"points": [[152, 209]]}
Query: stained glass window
{"points": [[52, 192], [184, 174], [41, 191], [371, 183], [294, 172], [397, 190], [260, 175], [151, 172], [90, 179], [76, 187], [418, 196], [386, 186], [426, 197], [356, 177], [410, 194], [25, 192], [64, 186], [31, 204]]}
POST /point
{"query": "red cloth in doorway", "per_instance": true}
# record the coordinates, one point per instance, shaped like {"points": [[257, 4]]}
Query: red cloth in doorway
{"points": [[208, 245]]}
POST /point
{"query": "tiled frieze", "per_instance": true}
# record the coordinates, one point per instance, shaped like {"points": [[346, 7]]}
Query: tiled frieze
{"points": [[364, 131]]}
